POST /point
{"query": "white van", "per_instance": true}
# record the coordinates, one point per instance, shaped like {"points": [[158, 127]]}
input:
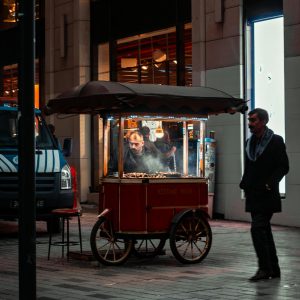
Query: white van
{"points": [[53, 174]]}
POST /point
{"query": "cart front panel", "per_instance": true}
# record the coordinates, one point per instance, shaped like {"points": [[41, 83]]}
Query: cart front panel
{"points": [[149, 207], [132, 207], [165, 200]]}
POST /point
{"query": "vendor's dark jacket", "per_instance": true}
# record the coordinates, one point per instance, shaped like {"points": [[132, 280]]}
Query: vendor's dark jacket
{"points": [[132, 162], [138, 163], [269, 168]]}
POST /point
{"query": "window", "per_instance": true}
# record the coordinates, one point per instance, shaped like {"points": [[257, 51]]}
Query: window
{"points": [[8, 12], [155, 147], [151, 58], [10, 80]]}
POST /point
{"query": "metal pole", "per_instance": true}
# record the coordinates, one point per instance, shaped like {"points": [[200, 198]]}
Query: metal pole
{"points": [[27, 204]]}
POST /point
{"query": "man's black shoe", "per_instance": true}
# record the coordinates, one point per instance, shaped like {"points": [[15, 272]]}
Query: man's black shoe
{"points": [[261, 275], [275, 274]]}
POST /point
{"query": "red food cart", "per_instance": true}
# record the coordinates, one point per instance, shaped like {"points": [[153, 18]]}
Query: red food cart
{"points": [[167, 198]]}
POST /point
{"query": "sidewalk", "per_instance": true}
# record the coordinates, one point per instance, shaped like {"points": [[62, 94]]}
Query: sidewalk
{"points": [[222, 275]]}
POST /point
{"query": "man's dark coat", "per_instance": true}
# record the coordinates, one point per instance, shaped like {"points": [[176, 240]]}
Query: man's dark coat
{"points": [[269, 168]]}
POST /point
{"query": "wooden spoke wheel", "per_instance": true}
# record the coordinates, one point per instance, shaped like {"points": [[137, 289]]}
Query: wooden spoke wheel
{"points": [[106, 247], [190, 238]]}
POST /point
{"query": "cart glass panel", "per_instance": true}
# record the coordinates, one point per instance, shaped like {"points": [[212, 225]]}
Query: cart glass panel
{"points": [[154, 147]]}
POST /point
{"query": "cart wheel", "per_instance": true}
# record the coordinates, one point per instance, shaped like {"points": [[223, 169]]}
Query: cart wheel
{"points": [[106, 248], [147, 248], [190, 238]]}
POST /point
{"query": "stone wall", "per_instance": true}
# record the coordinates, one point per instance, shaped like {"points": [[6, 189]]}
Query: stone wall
{"points": [[217, 63], [67, 64]]}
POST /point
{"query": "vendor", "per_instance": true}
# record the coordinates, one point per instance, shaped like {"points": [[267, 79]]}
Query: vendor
{"points": [[138, 157]]}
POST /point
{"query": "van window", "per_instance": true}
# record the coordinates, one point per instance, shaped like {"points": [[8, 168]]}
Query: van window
{"points": [[9, 131], [42, 135]]}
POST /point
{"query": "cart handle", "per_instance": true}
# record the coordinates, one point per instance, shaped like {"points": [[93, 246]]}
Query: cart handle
{"points": [[105, 212]]}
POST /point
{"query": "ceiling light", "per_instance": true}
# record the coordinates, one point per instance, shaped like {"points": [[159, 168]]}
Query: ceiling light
{"points": [[159, 133], [159, 56]]}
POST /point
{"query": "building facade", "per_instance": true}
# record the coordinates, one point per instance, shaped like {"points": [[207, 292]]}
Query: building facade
{"points": [[197, 42]]}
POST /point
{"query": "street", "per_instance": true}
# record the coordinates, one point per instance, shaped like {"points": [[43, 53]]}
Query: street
{"points": [[222, 275]]}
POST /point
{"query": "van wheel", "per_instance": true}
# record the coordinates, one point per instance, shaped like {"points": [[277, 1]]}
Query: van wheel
{"points": [[55, 225]]}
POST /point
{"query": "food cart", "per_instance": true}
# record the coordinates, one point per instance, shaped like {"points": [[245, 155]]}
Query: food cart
{"points": [[168, 199]]}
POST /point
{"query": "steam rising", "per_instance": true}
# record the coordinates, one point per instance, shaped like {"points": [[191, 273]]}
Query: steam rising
{"points": [[154, 164]]}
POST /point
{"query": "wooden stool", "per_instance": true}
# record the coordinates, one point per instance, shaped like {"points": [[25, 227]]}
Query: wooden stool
{"points": [[65, 215]]}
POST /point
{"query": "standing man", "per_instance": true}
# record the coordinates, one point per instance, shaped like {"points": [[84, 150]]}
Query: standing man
{"points": [[145, 131], [266, 164]]}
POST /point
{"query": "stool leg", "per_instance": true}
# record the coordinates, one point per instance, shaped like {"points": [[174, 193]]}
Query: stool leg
{"points": [[50, 238], [79, 230], [63, 238], [68, 238]]}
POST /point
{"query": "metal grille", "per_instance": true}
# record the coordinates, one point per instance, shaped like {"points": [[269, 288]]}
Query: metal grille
{"points": [[44, 182]]}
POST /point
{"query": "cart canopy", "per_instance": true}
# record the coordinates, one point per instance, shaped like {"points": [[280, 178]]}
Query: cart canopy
{"points": [[107, 97]]}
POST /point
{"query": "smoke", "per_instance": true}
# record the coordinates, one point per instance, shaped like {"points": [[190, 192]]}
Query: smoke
{"points": [[154, 164]]}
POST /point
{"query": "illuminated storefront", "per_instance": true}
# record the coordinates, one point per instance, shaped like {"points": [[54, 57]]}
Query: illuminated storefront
{"points": [[9, 49]]}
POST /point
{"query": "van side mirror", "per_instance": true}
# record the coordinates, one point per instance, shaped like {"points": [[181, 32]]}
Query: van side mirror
{"points": [[67, 147]]}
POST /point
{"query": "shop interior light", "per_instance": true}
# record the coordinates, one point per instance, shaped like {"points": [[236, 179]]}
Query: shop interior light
{"points": [[159, 133], [159, 56], [128, 62], [158, 117]]}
